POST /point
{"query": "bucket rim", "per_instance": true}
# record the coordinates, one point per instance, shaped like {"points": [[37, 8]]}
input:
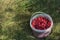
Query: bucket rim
{"points": [[41, 13]]}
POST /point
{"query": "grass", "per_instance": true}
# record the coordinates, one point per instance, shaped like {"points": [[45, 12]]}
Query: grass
{"points": [[15, 16]]}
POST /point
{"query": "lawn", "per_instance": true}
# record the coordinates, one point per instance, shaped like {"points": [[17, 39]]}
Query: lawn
{"points": [[15, 18]]}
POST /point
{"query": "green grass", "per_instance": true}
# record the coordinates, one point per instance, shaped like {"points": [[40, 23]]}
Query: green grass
{"points": [[15, 16]]}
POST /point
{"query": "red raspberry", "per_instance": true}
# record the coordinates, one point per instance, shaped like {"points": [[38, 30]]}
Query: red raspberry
{"points": [[41, 23]]}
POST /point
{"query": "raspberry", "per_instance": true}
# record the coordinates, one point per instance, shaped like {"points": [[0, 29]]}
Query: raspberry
{"points": [[41, 23]]}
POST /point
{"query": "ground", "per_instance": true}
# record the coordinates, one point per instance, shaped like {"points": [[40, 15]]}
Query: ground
{"points": [[15, 18]]}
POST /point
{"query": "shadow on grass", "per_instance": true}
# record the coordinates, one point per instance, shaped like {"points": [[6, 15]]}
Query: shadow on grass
{"points": [[23, 21]]}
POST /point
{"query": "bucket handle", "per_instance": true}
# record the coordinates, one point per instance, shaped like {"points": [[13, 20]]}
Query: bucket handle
{"points": [[37, 13]]}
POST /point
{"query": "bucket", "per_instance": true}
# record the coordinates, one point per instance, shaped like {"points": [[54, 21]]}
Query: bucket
{"points": [[41, 33]]}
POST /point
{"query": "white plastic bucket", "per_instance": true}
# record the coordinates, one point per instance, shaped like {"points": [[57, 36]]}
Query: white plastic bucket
{"points": [[36, 14]]}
